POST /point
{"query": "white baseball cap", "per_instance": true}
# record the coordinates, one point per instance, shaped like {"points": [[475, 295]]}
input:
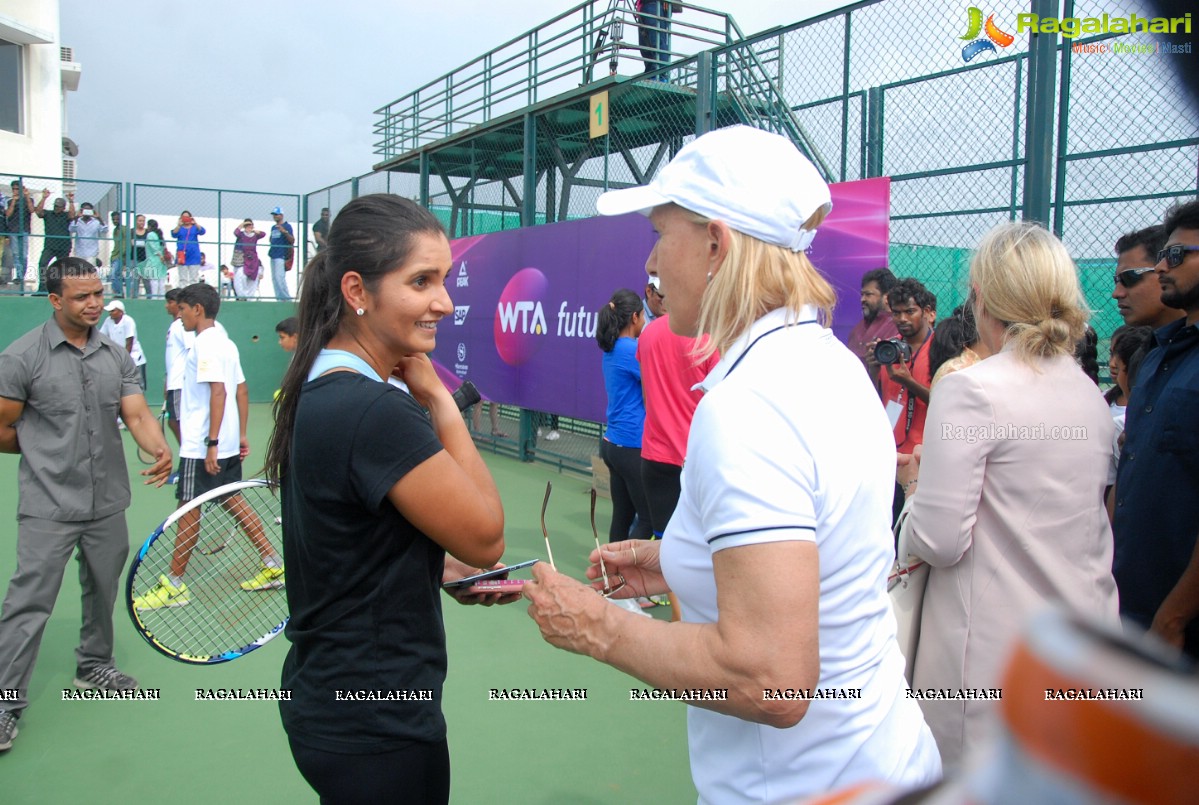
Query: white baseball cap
{"points": [[756, 182], [115, 304]]}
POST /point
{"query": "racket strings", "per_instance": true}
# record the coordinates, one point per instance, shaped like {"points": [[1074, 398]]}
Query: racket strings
{"points": [[219, 615]]}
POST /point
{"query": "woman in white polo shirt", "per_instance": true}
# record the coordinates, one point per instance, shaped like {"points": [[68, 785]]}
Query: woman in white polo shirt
{"points": [[780, 548]]}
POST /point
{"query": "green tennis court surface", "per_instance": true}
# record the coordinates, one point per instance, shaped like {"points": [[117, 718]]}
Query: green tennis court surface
{"points": [[180, 750]]}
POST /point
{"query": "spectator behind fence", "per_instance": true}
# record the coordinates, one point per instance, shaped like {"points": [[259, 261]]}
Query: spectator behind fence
{"points": [[209, 274], [1008, 509], [153, 270], [779, 548], [56, 228], [247, 267], [6, 247], [320, 230], [18, 215], [955, 345], [118, 258], [653, 34], [61, 388], [877, 323], [619, 323], [377, 486], [1157, 509], [138, 238], [187, 249], [281, 253], [87, 230], [1136, 291]]}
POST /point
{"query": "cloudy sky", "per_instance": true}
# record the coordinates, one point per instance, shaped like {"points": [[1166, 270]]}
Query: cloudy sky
{"points": [[279, 96]]}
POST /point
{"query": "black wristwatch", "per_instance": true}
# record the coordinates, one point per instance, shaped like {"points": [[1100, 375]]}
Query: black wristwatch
{"points": [[211, 442]]}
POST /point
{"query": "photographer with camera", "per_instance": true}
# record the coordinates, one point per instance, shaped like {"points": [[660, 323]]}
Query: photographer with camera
{"points": [[904, 376]]}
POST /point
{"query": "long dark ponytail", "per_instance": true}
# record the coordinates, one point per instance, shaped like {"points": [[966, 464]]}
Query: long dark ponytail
{"points": [[372, 235], [615, 316]]}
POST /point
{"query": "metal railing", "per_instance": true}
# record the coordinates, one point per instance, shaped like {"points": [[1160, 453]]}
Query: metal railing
{"points": [[557, 55]]}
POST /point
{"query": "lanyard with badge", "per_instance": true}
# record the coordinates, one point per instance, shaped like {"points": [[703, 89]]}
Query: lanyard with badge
{"points": [[894, 407]]}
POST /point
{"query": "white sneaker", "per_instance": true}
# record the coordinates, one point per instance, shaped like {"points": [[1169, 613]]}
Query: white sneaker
{"points": [[631, 605]]}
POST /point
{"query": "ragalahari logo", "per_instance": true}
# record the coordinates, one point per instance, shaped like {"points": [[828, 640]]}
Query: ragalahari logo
{"points": [[994, 35], [520, 327]]}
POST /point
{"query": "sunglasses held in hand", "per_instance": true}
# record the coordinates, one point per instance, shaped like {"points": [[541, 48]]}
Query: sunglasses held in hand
{"points": [[608, 588]]}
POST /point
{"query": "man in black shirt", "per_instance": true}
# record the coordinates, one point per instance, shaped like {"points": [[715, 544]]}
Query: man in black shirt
{"points": [[57, 232], [320, 230]]}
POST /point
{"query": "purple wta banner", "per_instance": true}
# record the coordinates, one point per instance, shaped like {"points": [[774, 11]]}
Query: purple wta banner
{"points": [[526, 300]]}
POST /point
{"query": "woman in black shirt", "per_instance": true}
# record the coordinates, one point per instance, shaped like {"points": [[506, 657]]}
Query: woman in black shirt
{"points": [[381, 504]]}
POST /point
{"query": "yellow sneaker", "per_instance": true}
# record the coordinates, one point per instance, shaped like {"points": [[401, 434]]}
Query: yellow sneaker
{"points": [[163, 595], [269, 578]]}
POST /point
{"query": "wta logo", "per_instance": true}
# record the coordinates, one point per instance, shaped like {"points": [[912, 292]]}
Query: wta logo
{"points": [[520, 327], [978, 45]]}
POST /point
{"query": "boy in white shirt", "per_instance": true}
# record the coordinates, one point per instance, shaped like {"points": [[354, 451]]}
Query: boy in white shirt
{"points": [[214, 410], [121, 328]]}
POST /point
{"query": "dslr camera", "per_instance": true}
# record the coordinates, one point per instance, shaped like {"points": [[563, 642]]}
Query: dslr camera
{"points": [[893, 350]]}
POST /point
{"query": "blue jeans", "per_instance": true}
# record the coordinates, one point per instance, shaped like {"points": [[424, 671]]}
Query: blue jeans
{"points": [[279, 278], [118, 277], [18, 246], [654, 36]]}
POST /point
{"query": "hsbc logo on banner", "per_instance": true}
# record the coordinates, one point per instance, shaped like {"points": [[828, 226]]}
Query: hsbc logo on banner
{"points": [[460, 312]]}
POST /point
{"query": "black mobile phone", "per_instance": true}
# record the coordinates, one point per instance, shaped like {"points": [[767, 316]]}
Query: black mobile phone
{"points": [[488, 574], [466, 395]]}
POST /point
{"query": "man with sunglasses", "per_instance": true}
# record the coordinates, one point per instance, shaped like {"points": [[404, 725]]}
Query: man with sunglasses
{"points": [[1156, 523], [1136, 291]]}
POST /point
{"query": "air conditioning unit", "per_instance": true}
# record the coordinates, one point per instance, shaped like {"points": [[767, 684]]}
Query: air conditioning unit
{"points": [[66, 54], [68, 175]]}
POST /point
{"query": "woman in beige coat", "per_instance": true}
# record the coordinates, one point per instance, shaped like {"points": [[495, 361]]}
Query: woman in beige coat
{"points": [[1008, 510]]}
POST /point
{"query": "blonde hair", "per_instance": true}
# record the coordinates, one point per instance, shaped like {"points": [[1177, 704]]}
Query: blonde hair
{"points": [[755, 278], [1028, 282]]}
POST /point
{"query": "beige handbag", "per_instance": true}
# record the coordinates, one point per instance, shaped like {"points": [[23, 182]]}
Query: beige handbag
{"points": [[906, 586]]}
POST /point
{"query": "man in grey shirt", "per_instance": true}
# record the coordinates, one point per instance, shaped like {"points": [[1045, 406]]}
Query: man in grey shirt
{"points": [[62, 386]]}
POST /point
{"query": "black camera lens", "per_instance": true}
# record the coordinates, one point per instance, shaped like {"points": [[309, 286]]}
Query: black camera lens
{"points": [[894, 350]]}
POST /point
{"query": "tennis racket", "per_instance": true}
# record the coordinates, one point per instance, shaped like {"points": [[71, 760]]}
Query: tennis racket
{"points": [[228, 602], [149, 458]]}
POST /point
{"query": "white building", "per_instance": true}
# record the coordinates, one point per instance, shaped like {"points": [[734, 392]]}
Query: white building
{"points": [[36, 72]]}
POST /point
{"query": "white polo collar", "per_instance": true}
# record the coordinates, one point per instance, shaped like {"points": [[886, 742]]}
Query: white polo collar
{"points": [[779, 317]]}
